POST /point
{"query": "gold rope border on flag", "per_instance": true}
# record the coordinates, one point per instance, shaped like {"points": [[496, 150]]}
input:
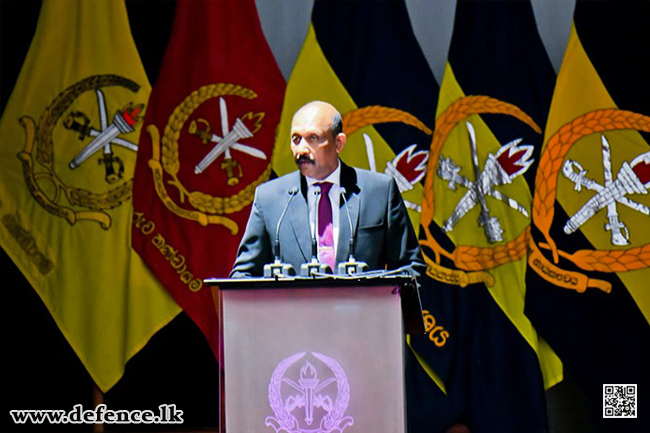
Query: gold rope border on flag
{"points": [[211, 208], [467, 257], [40, 139], [373, 114], [558, 146]]}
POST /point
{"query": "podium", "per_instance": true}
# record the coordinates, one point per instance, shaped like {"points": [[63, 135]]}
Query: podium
{"points": [[315, 355]]}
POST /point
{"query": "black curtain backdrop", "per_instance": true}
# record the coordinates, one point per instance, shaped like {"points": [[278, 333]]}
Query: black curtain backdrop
{"points": [[38, 368]]}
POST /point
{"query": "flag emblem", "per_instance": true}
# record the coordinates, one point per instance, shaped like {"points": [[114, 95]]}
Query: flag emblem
{"points": [[409, 166], [124, 122], [207, 209], [509, 162], [227, 141], [309, 396], [633, 178], [46, 185]]}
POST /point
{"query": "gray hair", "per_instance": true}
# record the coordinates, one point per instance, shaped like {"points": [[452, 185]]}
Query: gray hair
{"points": [[337, 124]]}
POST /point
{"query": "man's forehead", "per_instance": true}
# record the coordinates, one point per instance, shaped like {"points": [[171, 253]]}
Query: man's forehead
{"points": [[311, 118]]}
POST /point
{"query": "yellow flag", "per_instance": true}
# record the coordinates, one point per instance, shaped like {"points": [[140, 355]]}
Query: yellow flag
{"points": [[505, 278], [591, 210], [493, 102], [68, 140], [387, 115]]}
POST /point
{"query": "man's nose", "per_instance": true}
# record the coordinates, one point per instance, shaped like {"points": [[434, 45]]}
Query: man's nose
{"points": [[302, 148]]}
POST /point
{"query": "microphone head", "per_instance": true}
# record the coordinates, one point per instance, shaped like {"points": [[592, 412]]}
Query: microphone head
{"points": [[342, 190], [293, 190]]}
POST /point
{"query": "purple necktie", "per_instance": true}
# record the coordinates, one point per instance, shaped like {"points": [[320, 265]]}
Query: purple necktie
{"points": [[325, 226]]}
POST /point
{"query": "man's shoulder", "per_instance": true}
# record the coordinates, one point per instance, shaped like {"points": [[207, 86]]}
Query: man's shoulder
{"points": [[282, 183], [372, 177]]}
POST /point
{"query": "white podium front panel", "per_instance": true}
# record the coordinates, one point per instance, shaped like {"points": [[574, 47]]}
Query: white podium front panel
{"points": [[313, 360]]}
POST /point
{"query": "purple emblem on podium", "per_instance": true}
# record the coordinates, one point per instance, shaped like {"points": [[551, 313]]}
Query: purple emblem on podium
{"points": [[309, 396]]}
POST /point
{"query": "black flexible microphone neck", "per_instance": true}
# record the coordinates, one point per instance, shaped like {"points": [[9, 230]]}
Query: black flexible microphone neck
{"points": [[292, 193], [351, 266], [277, 268], [347, 210], [314, 242]]}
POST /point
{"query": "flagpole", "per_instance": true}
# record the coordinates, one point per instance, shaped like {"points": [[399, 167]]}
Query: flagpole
{"points": [[98, 398]]}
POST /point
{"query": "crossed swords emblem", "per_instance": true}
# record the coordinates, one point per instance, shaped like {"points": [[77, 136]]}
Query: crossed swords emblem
{"points": [[632, 178], [123, 123], [309, 397], [228, 140], [509, 162]]}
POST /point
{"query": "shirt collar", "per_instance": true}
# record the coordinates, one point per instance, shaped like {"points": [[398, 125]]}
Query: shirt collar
{"points": [[334, 177]]}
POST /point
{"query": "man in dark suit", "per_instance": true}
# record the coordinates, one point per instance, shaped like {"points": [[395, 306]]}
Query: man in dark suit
{"points": [[384, 235]]}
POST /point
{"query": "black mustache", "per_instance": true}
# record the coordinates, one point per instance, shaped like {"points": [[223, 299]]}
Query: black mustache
{"points": [[305, 158]]}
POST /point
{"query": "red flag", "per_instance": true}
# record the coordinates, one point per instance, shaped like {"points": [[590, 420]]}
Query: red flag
{"points": [[206, 144]]}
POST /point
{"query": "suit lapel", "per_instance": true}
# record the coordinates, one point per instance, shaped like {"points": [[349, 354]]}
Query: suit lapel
{"points": [[349, 182], [298, 212]]}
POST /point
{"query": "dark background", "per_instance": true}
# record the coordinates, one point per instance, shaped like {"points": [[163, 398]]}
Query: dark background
{"points": [[38, 368]]}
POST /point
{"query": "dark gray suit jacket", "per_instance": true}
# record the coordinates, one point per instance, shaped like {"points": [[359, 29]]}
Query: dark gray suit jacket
{"points": [[384, 235]]}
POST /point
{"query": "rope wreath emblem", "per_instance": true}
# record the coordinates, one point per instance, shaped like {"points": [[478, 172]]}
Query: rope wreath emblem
{"points": [[546, 182], [206, 209], [37, 159], [466, 257], [356, 119]]}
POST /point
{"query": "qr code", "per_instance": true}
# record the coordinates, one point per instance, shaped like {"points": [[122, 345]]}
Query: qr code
{"points": [[619, 401]]}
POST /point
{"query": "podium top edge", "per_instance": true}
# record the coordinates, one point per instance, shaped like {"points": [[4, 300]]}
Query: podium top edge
{"points": [[295, 282]]}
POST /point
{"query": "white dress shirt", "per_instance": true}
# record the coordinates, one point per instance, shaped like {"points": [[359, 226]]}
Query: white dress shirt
{"points": [[335, 179]]}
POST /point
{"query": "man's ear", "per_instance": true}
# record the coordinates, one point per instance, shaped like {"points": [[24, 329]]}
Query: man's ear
{"points": [[340, 141]]}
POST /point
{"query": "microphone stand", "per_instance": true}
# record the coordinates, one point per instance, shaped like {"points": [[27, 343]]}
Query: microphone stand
{"points": [[314, 267], [278, 269], [351, 266]]}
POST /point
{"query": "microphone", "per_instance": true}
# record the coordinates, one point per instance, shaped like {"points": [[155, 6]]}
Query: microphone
{"points": [[314, 242], [277, 268], [315, 267], [351, 266]]}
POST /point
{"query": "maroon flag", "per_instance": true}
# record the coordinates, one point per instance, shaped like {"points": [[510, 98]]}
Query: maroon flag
{"points": [[206, 144]]}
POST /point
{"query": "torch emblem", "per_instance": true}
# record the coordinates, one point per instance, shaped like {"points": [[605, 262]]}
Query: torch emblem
{"points": [[511, 161], [124, 122], [166, 160], [309, 397], [409, 166], [227, 141], [43, 177]]}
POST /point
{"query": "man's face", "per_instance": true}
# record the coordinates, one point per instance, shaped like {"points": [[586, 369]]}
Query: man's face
{"points": [[314, 147]]}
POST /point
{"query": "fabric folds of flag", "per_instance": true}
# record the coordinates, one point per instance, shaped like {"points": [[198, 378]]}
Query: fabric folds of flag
{"points": [[475, 218], [372, 69], [68, 141], [209, 137], [590, 245]]}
